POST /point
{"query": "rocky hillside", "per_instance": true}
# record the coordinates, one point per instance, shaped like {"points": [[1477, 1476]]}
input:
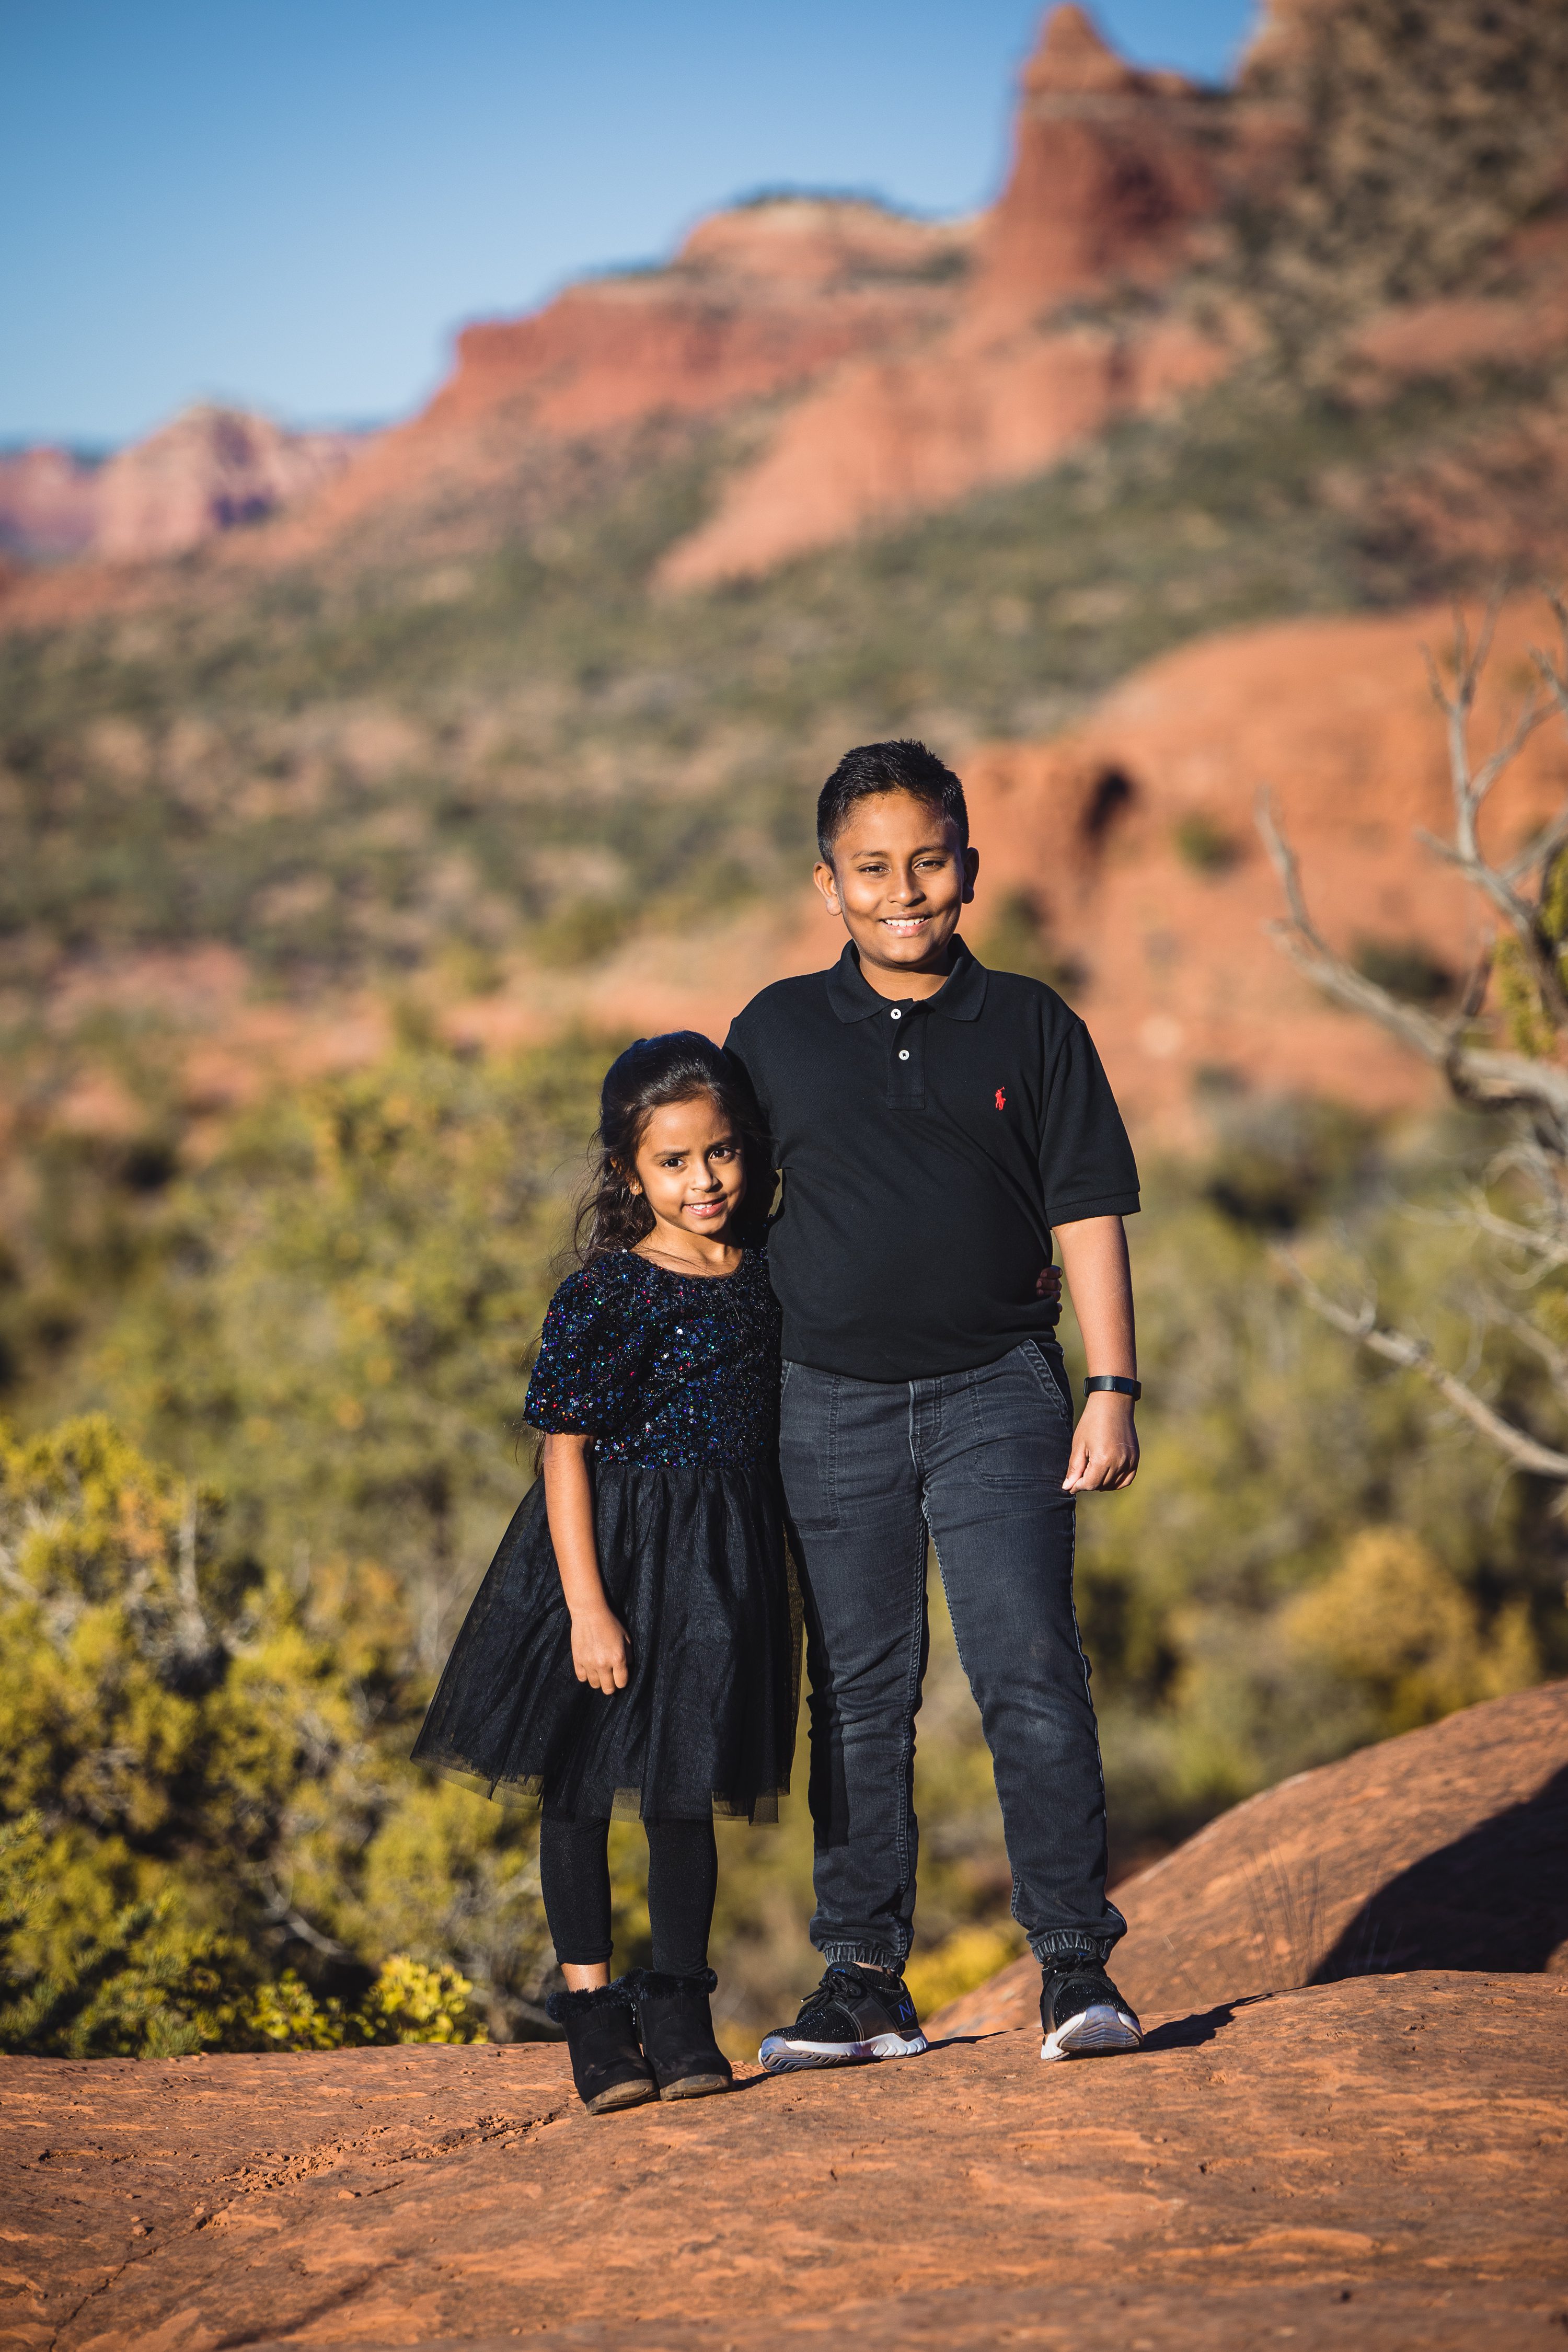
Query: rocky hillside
{"points": [[874, 366], [210, 470]]}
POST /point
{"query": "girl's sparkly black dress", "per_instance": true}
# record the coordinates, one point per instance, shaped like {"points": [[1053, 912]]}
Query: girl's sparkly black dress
{"points": [[676, 1377]]}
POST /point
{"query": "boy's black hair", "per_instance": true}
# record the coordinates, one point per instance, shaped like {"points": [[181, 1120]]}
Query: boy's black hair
{"points": [[902, 767]]}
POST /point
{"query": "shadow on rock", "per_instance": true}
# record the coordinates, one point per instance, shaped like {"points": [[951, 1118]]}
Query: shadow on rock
{"points": [[1192, 2033], [1496, 1897]]}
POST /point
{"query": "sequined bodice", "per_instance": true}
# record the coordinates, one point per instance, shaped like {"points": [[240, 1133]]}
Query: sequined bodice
{"points": [[660, 1367]]}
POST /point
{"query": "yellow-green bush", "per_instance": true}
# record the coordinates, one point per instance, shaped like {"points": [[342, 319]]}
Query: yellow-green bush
{"points": [[407, 2003], [1393, 1621], [183, 1764]]}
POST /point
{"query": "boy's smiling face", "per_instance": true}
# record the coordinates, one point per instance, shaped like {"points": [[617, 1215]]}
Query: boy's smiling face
{"points": [[900, 877]]}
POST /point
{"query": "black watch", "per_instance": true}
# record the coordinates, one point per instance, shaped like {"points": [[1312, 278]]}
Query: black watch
{"points": [[1133, 1389]]}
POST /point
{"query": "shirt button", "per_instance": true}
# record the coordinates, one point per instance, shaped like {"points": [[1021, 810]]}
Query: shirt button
{"points": [[904, 1055], [897, 1015]]}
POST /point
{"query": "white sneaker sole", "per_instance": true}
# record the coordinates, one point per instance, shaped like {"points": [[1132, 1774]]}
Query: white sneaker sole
{"points": [[782, 2055], [1100, 2032]]}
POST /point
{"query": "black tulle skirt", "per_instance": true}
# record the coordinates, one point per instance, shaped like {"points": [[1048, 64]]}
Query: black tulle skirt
{"points": [[695, 1567]]}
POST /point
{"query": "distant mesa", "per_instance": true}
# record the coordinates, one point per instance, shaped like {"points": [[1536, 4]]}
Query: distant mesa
{"points": [[915, 357], [886, 365], [209, 471], [49, 503]]}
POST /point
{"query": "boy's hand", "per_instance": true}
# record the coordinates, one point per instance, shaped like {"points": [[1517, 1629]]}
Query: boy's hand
{"points": [[601, 1653], [1104, 1445], [1048, 1285]]}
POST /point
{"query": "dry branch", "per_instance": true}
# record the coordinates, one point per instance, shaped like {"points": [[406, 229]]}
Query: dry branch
{"points": [[1478, 1073], [1414, 1355]]}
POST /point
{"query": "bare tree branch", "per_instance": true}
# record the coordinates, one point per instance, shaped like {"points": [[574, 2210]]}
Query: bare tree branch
{"points": [[1479, 1073], [1539, 1342], [281, 1913], [1550, 1251], [1476, 1072], [1471, 788], [1414, 1355]]}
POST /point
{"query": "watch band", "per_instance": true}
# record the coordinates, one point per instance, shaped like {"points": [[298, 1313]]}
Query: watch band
{"points": [[1133, 1389]]}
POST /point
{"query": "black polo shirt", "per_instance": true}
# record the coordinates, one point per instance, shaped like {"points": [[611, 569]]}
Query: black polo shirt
{"points": [[926, 1147]]}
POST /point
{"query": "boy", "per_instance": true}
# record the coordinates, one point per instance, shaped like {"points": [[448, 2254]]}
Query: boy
{"points": [[934, 1123]]}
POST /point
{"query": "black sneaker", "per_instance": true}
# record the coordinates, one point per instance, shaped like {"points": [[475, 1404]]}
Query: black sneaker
{"points": [[854, 2013], [1082, 2015]]}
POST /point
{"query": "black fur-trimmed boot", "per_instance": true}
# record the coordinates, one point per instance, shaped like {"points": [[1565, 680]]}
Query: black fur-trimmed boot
{"points": [[607, 2066], [676, 2028]]}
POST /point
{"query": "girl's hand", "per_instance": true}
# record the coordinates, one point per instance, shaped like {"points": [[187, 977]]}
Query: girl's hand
{"points": [[601, 1653], [1048, 1285], [1104, 1446]]}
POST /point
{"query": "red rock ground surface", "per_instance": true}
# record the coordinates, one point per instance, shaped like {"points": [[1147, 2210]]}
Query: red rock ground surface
{"points": [[1381, 2160], [1373, 2162]]}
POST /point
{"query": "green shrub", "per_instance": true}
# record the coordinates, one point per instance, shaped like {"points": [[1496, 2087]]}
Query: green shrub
{"points": [[186, 1771]]}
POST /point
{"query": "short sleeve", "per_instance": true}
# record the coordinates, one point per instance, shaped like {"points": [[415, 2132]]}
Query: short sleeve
{"points": [[1086, 1168], [590, 1358], [741, 1047]]}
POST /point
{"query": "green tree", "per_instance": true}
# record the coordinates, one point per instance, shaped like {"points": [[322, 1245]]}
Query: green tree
{"points": [[337, 1323]]}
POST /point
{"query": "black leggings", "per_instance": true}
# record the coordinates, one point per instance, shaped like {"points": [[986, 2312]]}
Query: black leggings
{"points": [[682, 1880]]}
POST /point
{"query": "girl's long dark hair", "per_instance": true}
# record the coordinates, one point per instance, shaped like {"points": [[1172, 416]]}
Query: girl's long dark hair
{"points": [[648, 1075]]}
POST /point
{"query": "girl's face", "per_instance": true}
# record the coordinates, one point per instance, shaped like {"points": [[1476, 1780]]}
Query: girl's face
{"points": [[690, 1168]]}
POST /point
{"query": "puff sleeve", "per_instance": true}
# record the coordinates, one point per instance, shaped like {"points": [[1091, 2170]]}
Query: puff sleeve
{"points": [[591, 1356]]}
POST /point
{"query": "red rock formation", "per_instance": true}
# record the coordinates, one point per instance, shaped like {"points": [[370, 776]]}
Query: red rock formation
{"points": [[1113, 170], [1124, 828], [893, 438], [956, 384], [759, 300], [49, 503], [206, 472]]}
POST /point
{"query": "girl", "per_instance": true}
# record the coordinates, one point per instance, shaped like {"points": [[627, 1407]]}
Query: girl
{"points": [[632, 1642]]}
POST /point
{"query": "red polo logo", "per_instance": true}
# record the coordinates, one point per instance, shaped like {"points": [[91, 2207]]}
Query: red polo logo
{"points": [[1001, 1097]]}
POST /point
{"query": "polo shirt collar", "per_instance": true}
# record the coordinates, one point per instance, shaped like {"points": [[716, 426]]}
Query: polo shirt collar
{"points": [[960, 998]]}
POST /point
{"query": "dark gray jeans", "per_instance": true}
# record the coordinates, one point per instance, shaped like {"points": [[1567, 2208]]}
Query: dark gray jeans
{"points": [[976, 1460]]}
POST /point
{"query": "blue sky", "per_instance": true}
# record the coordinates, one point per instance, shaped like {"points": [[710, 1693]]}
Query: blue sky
{"points": [[292, 205]]}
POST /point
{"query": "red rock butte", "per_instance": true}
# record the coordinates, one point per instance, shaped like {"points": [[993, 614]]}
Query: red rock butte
{"points": [[920, 356], [883, 365], [1346, 2130]]}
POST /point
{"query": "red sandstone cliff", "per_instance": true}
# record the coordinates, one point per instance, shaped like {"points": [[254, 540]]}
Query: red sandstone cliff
{"points": [[758, 302], [49, 503], [915, 352], [207, 471], [910, 363], [1114, 171]]}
